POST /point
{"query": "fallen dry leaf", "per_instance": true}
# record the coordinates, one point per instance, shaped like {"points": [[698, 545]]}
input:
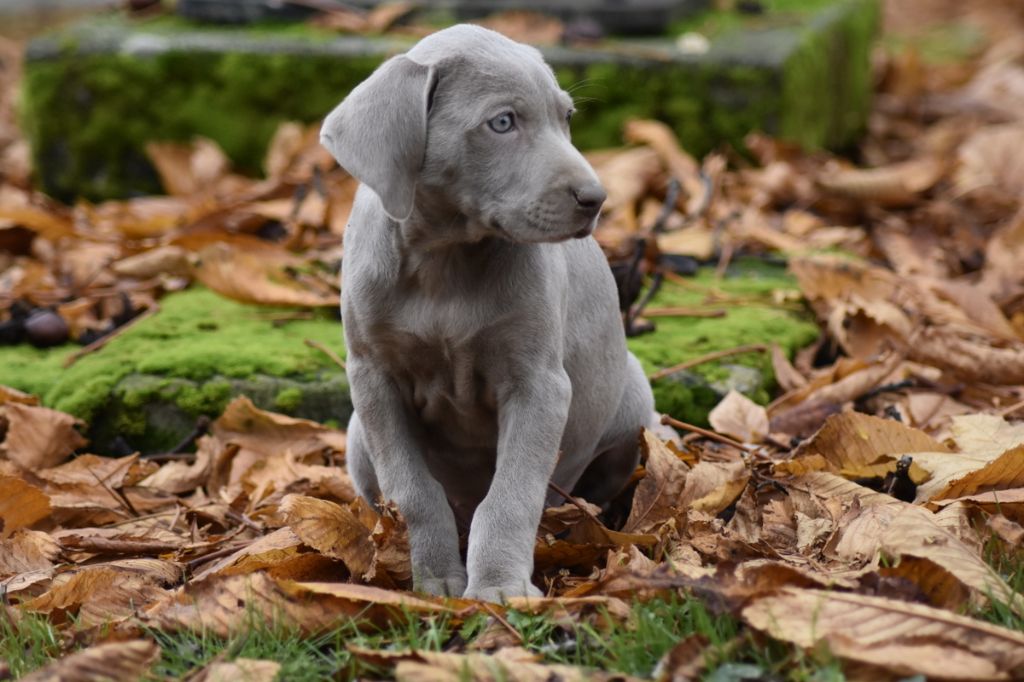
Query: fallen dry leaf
{"points": [[910, 639], [254, 278], [113, 661], [330, 529], [657, 495], [240, 670], [21, 505], [38, 437], [26, 551], [740, 417]]}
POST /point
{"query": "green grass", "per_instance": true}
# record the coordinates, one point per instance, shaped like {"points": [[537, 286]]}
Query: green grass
{"points": [[28, 644], [632, 647], [1008, 562]]}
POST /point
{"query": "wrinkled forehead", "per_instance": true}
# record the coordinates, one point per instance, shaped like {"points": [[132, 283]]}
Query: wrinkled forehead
{"points": [[486, 65]]}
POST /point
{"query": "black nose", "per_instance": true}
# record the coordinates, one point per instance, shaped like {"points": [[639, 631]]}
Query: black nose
{"points": [[589, 197]]}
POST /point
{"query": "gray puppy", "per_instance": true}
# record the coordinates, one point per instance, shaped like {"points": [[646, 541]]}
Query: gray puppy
{"points": [[486, 354]]}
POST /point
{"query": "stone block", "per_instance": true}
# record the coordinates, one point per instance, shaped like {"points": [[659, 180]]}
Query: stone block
{"points": [[96, 92]]}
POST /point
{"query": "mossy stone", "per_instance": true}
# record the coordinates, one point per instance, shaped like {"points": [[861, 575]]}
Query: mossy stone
{"points": [[148, 385], [95, 93]]}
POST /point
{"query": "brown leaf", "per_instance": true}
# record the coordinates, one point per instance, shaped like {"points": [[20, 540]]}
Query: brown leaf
{"points": [[786, 374], [21, 505], [27, 550], [226, 604], [142, 217], [535, 28], [685, 661], [239, 670], [853, 442], [167, 260], [97, 594], [188, 169], [38, 437], [1001, 473], [740, 417], [896, 185], [254, 278], [712, 486], [988, 160], [909, 639], [657, 496], [179, 477], [113, 661], [330, 529], [13, 395], [969, 358], [1010, 532], [265, 552], [661, 138], [507, 665], [260, 436]]}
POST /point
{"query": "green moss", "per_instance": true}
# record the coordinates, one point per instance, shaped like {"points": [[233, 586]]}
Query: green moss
{"points": [[90, 115], [715, 22], [826, 86], [288, 399], [939, 44], [182, 341], [755, 319]]}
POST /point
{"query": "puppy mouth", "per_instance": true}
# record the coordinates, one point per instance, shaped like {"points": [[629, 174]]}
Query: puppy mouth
{"points": [[584, 233]]}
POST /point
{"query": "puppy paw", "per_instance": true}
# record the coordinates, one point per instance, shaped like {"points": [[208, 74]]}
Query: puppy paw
{"points": [[451, 586], [501, 593]]}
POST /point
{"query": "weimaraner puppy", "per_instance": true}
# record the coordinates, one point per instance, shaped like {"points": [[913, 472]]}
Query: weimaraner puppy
{"points": [[486, 354]]}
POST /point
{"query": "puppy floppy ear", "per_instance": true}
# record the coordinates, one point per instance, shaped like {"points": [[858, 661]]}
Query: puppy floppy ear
{"points": [[379, 132]]}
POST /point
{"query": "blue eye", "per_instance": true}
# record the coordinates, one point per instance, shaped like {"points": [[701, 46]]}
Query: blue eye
{"points": [[568, 115], [502, 123]]}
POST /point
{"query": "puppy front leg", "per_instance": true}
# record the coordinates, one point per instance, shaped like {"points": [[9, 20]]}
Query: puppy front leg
{"points": [[403, 477], [531, 421]]}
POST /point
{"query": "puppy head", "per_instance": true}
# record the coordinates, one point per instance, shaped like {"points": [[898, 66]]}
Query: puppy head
{"points": [[473, 121]]}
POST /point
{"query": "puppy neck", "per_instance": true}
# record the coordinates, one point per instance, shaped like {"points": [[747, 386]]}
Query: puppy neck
{"points": [[435, 246]]}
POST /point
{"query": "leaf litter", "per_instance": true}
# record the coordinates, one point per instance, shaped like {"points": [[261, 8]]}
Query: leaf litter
{"points": [[851, 514]]}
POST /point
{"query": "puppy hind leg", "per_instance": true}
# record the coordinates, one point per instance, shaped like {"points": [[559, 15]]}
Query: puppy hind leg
{"points": [[619, 451]]}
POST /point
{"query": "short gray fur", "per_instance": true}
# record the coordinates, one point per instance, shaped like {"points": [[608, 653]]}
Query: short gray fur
{"points": [[486, 355]]}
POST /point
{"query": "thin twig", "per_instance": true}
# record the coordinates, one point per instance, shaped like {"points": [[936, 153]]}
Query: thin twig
{"points": [[1007, 411], [681, 311], [709, 357], [217, 554], [568, 496], [669, 205], [326, 351], [665, 419], [118, 496], [498, 617], [104, 340]]}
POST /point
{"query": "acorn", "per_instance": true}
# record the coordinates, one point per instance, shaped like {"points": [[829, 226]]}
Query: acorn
{"points": [[46, 328]]}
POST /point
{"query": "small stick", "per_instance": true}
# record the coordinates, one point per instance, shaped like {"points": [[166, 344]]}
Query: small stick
{"points": [[717, 355], [217, 554], [1007, 411], [679, 311], [104, 340], [568, 496], [498, 617], [118, 496], [326, 351], [665, 419]]}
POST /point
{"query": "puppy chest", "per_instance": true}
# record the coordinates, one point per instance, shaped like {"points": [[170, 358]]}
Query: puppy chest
{"points": [[446, 384]]}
